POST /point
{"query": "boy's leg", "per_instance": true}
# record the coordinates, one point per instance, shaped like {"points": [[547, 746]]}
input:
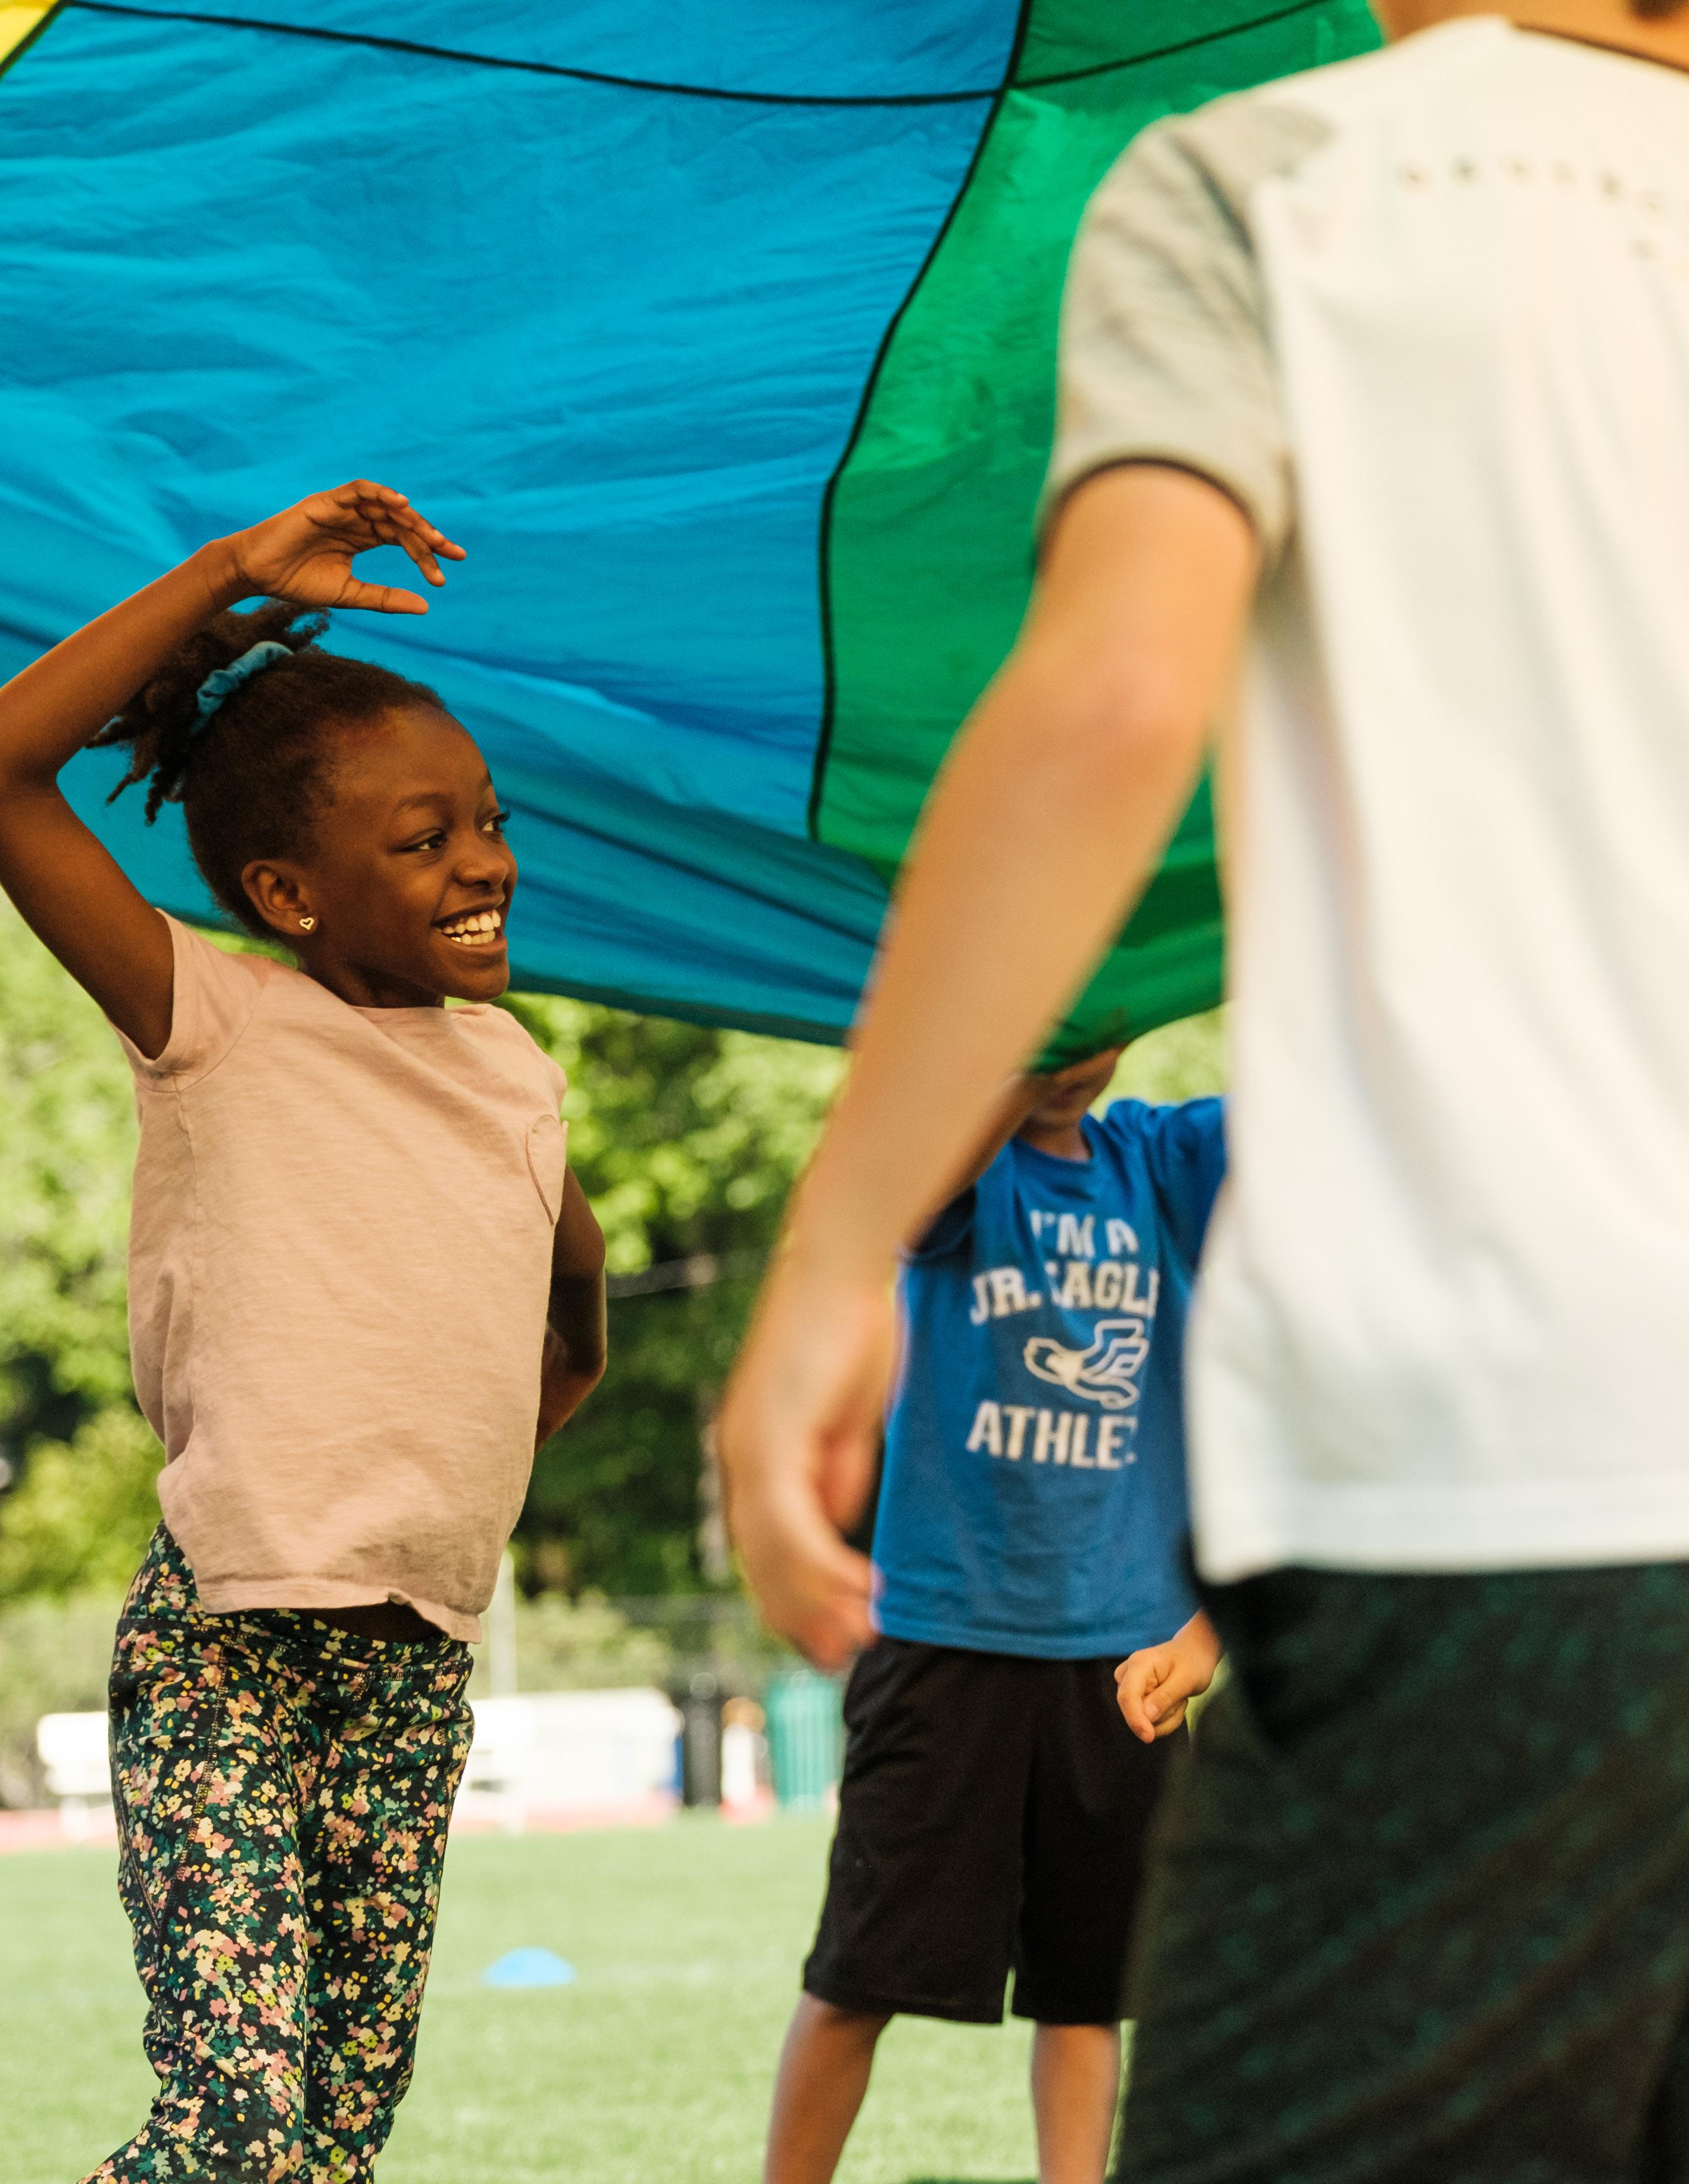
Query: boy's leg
{"points": [[823, 2077], [1420, 1914], [1075, 2085], [396, 1730], [204, 1784], [924, 1878], [1091, 1798]]}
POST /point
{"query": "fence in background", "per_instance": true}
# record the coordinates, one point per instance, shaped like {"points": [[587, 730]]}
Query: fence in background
{"points": [[728, 1716]]}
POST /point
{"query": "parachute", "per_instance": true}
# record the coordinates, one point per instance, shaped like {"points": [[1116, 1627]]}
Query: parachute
{"points": [[722, 335]]}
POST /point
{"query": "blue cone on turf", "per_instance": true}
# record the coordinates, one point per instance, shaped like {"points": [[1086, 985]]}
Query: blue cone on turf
{"points": [[528, 1968]]}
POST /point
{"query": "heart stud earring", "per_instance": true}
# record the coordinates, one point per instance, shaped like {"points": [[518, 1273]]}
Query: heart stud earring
{"points": [[307, 924]]}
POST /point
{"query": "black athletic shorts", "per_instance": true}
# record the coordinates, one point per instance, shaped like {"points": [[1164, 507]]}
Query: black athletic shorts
{"points": [[1418, 1905], [993, 1817]]}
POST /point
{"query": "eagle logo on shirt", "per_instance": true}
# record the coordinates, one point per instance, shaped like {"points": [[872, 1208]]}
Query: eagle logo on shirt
{"points": [[1105, 1374]]}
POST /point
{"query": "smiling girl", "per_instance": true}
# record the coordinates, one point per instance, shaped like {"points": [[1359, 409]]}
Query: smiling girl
{"points": [[363, 1285]]}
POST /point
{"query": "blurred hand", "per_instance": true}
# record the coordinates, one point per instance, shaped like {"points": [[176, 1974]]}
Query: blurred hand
{"points": [[305, 554], [1156, 1685], [799, 1439]]}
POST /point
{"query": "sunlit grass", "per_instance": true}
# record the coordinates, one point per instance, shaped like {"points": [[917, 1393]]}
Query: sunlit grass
{"points": [[656, 2062]]}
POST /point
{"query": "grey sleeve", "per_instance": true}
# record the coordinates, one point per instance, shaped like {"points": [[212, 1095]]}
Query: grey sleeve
{"points": [[1165, 353]]}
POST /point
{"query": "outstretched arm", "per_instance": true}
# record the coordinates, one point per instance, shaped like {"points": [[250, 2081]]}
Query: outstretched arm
{"points": [[1044, 829], [575, 1333], [1014, 1104], [64, 883]]}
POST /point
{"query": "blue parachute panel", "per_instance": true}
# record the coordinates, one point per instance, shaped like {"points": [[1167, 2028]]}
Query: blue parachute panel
{"points": [[613, 339], [807, 50]]}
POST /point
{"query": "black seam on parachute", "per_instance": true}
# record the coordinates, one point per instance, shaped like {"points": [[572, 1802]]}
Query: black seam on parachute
{"points": [[1011, 82], [829, 665], [1170, 53], [30, 36], [909, 98], [533, 67]]}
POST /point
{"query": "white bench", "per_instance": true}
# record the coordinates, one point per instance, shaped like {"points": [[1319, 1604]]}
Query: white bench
{"points": [[74, 1755], [73, 1752], [574, 1751], [559, 1752]]}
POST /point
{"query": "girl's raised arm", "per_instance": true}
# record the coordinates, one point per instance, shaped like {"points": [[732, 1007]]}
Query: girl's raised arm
{"points": [[61, 878]]}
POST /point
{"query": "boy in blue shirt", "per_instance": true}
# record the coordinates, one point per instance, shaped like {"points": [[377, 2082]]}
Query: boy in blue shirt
{"points": [[1029, 1536]]}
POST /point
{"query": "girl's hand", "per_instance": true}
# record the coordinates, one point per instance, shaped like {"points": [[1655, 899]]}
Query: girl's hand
{"points": [[305, 554], [1156, 1686]]}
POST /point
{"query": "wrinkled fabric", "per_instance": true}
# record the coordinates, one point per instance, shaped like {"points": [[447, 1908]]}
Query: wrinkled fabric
{"points": [[283, 1790], [339, 1267], [729, 356], [1425, 316], [1420, 1911]]}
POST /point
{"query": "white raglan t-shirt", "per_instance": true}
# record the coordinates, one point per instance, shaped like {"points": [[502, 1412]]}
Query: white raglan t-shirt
{"points": [[1425, 316]]}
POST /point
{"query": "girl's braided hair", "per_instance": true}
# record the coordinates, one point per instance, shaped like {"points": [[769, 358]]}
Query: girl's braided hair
{"points": [[254, 779]]}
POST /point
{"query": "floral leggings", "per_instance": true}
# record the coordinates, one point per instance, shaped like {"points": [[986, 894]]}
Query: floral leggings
{"points": [[283, 1790]]}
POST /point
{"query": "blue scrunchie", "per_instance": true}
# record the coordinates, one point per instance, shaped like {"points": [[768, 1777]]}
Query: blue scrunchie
{"points": [[220, 684]]}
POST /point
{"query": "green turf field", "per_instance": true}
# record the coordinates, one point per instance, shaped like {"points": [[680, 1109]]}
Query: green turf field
{"points": [[657, 2064]]}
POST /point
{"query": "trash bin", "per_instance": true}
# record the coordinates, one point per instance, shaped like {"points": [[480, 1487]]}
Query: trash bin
{"points": [[805, 1738], [700, 1742]]}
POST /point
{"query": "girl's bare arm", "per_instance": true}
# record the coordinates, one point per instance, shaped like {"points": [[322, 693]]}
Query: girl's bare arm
{"points": [[63, 879], [64, 883], [576, 1336]]}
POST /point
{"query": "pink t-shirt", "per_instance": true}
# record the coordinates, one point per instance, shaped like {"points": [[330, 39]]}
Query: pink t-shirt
{"points": [[338, 1272]]}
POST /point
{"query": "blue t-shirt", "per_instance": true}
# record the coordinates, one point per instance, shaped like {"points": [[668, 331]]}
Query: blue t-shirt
{"points": [[1033, 1496]]}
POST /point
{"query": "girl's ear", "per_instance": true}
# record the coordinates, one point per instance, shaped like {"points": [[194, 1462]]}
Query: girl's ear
{"points": [[277, 893]]}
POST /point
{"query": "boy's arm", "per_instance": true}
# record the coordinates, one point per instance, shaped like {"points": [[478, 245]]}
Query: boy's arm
{"points": [[1186, 1149], [1044, 826], [1047, 819], [575, 1332], [64, 883], [1019, 1098], [1156, 1685]]}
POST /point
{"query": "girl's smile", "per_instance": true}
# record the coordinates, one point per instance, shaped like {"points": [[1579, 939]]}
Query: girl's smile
{"points": [[475, 929], [409, 881]]}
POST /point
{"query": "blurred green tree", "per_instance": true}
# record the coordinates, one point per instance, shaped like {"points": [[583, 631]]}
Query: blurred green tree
{"points": [[73, 1448]]}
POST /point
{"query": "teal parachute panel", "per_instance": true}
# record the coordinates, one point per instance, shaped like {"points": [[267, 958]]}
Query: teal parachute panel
{"points": [[623, 295]]}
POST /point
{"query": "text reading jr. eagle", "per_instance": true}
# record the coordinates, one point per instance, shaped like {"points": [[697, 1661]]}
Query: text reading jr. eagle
{"points": [[1105, 1372]]}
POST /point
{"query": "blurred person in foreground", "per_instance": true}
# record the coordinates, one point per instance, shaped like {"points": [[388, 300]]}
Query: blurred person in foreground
{"points": [[1392, 358], [1030, 1531]]}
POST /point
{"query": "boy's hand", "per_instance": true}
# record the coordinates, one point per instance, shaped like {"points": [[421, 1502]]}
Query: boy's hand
{"points": [[1156, 1686], [798, 1437], [305, 554]]}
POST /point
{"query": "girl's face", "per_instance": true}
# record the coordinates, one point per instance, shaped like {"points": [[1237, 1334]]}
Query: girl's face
{"points": [[410, 880]]}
